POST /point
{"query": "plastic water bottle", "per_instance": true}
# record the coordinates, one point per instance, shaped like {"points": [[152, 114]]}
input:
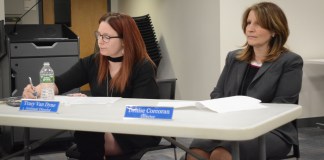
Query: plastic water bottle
{"points": [[46, 75]]}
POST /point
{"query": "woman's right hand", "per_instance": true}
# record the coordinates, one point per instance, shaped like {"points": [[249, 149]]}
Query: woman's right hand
{"points": [[31, 92]]}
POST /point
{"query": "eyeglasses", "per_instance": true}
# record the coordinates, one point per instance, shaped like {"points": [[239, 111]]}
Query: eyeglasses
{"points": [[104, 37]]}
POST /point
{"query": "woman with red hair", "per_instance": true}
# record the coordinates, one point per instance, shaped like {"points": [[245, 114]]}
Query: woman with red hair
{"points": [[120, 68]]}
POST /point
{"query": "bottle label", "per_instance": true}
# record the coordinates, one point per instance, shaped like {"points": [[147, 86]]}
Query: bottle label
{"points": [[47, 79]]}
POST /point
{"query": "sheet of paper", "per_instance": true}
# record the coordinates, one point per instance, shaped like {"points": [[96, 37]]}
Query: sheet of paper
{"points": [[220, 105], [86, 100], [178, 104], [230, 104]]}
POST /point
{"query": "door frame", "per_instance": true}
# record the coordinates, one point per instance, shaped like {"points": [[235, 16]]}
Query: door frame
{"points": [[41, 16]]}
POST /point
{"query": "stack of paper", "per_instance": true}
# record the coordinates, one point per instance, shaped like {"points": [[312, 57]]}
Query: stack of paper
{"points": [[220, 105]]}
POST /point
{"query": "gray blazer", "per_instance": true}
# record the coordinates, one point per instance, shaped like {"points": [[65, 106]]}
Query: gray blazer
{"points": [[279, 81]]}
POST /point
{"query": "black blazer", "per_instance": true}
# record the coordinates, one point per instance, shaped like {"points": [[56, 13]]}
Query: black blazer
{"points": [[279, 81]]}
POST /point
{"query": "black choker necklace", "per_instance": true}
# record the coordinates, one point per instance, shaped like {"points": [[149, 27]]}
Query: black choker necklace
{"points": [[115, 59]]}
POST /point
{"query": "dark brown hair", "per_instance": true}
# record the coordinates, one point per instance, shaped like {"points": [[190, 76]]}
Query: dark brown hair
{"points": [[270, 17]]}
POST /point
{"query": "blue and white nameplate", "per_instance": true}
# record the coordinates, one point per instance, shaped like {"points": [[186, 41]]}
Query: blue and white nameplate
{"points": [[39, 106], [148, 112]]}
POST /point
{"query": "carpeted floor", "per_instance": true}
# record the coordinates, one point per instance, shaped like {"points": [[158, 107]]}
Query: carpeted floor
{"points": [[311, 143], [311, 148]]}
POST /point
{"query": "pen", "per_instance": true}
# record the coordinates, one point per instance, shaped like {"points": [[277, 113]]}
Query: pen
{"points": [[31, 83]]}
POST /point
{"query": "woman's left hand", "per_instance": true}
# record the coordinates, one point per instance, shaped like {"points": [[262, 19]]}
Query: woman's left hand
{"points": [[77, 95]]}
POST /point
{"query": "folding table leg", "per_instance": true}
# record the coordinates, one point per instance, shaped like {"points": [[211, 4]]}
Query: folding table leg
{"points": [[236, 150], [26, 143], [187, 150], [262, 146]]}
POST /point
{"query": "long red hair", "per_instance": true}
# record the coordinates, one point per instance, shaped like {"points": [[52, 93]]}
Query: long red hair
{"points": [[134, 50]]}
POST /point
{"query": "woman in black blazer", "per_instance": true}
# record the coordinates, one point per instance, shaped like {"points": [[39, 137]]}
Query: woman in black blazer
{"points": [[263, 69]]}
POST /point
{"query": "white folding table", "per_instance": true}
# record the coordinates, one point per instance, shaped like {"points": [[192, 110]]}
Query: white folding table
{"points": [[188, 122]]}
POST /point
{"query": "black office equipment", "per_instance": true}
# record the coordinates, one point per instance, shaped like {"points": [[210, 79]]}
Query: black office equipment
{"points": [[25, 54], [33, 45]]}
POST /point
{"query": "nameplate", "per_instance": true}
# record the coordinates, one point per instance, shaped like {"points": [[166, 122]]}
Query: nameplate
{"points": [[148, 112], [39, 106]]}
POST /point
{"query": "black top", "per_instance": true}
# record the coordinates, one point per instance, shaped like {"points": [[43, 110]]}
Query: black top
{"points": [[249, 74], [141, 83]]}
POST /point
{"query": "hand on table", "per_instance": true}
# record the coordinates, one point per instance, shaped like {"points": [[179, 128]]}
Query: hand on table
{"points": [[31, 92], [77, 95]]}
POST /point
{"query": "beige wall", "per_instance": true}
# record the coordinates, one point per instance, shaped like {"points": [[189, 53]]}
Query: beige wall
{"points": [[306, 22], [196, 36], [2, 12], [188, 33]]}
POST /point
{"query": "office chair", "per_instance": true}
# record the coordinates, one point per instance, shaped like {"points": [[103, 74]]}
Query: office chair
{"points": [[320, 125], [167, 88], [295, 153], [295, 148]]}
